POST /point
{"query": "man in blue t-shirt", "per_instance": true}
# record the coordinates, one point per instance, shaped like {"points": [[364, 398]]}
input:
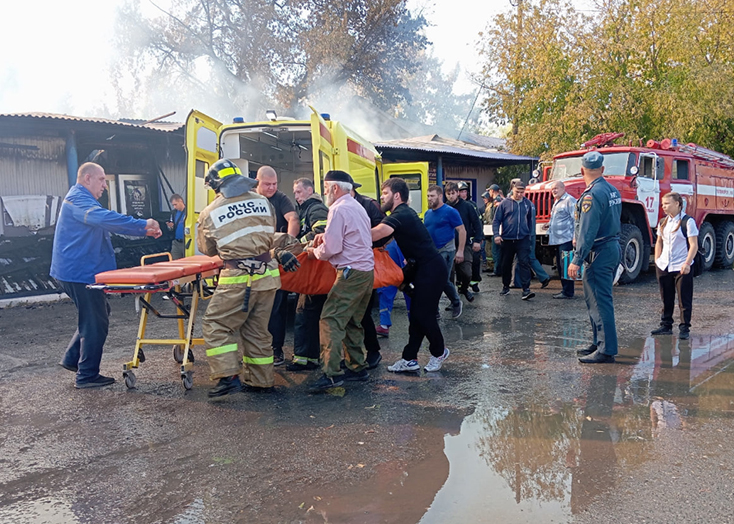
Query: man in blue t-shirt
{"points": [[176, 224], [444, 224]]}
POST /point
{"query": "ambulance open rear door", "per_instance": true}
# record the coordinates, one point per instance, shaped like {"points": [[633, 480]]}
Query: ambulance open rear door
{"points": [[202, 150], [323, 149], [415, 175]]}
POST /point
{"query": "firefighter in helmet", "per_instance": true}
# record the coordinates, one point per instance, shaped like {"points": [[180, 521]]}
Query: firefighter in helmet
{"points": [[239, 226]]}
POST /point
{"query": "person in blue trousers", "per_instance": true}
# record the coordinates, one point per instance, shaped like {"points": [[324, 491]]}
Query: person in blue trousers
{"points": [[387, 294]]}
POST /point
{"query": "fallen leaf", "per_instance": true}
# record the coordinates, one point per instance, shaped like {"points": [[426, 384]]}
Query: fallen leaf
{"points": [[301, 506]]}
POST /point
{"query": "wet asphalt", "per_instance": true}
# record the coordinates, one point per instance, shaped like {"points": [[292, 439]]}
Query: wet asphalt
{"points": [[512, 430]]}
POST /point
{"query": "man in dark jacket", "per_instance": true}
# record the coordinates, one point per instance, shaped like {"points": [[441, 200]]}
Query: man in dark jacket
{"points": [[306, 343], [512, 226], [474, 237], [476, 265], [371, 343]]}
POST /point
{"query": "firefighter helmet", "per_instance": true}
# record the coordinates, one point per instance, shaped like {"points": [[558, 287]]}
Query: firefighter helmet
{"points": [[219, 171]]}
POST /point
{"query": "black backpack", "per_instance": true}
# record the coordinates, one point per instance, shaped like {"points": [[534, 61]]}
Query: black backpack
{"points": [[697, 267]]}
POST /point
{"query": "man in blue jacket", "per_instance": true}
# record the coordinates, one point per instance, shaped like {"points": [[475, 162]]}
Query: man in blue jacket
{"points": [[512, 225], [82, 248]]}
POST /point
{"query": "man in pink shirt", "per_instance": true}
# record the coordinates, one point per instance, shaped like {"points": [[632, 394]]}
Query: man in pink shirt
{"points": [[347, 245]]}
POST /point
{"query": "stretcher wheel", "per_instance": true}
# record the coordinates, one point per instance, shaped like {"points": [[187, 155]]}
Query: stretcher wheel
{"points": [[178, 354], [130, 379], [188, 380]]}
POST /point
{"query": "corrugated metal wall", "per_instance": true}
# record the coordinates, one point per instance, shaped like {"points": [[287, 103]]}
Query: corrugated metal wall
{"points": [[33, 166]]}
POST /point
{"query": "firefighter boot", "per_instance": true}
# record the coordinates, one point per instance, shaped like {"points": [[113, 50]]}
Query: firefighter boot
{"points": [[226, 386]]}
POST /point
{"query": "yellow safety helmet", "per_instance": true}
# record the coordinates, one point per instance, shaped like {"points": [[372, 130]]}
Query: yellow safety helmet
{"points": [[219, 171]]}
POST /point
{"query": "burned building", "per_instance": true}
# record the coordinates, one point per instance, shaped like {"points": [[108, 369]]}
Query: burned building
{"points": [[40, 153]]}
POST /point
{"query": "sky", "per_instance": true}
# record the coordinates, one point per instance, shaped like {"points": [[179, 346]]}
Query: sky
{"points": [[56, 55]]}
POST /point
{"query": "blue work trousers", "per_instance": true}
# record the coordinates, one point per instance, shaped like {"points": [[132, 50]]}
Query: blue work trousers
{"points": [[85, 349], [598, 280], [387, 294]]}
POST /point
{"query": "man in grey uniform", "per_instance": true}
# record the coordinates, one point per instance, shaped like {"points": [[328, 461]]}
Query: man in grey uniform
{"points": [[598, 214]]}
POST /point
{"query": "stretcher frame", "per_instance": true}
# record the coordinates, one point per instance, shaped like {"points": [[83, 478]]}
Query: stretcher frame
{"points": [[200, 290]]}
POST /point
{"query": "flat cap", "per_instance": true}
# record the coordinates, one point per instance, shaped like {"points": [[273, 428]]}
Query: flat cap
{"points": [[494, 187], [340, 176], [592, 160]]}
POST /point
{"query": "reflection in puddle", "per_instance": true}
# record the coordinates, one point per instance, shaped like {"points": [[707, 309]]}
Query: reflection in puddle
{"points": [[547, 460]]}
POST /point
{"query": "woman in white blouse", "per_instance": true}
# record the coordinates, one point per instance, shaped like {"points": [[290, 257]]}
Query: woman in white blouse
{"points": [[673, 258]]}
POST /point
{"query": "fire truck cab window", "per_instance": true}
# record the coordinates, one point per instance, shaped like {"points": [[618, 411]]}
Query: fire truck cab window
{"points": [[651, 167], [680, 170]]}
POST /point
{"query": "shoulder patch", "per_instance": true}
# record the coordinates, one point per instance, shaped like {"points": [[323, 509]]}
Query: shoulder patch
{"points": [[586, 203]]}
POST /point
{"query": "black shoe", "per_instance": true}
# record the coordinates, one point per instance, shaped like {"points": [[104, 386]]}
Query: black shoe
{"points": [[326, 382], [295, 366], [662, 330], [68, 367], [356, 376], [98, 382], [561, 296], [226, 386], [505, 291], [141, 356], [597, 357], [544, 283], [527, 294], [252, 389], [586, 351], [278, 357], [475, 288], [468, 294], [373, 360], [684, 335]]}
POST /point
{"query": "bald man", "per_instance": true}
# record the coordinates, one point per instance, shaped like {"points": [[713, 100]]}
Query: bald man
{"points": [[286, 222]]}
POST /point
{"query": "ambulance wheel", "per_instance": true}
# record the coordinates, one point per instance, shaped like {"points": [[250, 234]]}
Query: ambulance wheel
{"points": [[630, 239], [188, 380], [724, 244], [178, 354], [130, 379], [707, 244]]}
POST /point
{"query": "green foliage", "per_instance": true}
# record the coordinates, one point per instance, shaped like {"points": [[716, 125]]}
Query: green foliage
{"points": [[648, 68]]}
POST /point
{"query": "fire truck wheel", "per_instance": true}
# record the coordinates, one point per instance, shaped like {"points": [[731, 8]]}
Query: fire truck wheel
{"points": [[725, 244], [630, 239], [707, 244]]}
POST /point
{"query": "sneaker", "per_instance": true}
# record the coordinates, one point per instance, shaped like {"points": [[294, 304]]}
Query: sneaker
{"points": [[326, 382], [468, 294], [561, 296], [684, 335], [404, 366], [373, 360], [544, 283], [225, 386], [457, 310], [297, 366], [278, 357], [382, 331], [527, 294], [662, 330], [98, 382], [436, 362], [356, 376], [475, 288], [505, 291]]}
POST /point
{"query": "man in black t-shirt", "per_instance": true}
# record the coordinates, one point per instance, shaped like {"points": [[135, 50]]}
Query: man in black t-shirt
{"points": [[286, 222], [430, 276]]}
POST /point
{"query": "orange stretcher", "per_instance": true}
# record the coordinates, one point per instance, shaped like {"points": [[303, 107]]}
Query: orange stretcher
{"points": [[164, 277]]}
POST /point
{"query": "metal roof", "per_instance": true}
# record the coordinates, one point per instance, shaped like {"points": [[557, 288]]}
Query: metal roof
{"points": [[157, 126], [439, 145]]}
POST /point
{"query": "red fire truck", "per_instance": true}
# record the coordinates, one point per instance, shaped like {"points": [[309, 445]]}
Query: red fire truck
{"points": [[643, 174]]}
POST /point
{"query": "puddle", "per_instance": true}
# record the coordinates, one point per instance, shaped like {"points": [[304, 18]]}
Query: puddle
{"points": [[49, 510], [550, 459]]}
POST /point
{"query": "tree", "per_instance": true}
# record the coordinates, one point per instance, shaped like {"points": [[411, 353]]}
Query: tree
{"points": [[256, 54], [649, 68]]}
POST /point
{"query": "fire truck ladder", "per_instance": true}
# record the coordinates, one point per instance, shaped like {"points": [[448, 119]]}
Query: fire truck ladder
{"points": [[706, 154]]}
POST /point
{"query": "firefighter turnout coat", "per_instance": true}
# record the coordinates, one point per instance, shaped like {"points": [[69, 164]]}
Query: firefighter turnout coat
{"points": [[240, 229]]}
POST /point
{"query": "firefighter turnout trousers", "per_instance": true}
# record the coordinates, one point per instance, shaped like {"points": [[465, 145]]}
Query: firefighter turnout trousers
{"points": [[227, 328]]}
